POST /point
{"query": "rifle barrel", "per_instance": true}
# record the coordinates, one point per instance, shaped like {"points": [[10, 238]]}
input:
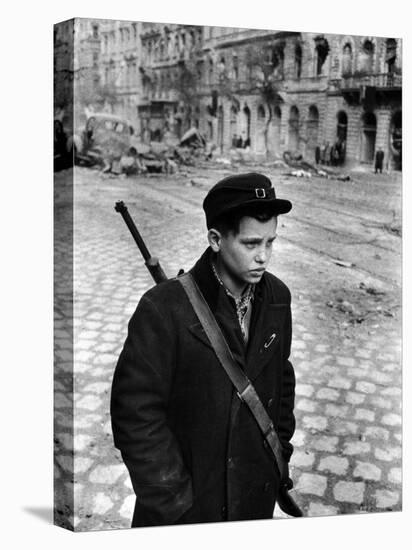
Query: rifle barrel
{"points": [[151, 263], [122, 208]]}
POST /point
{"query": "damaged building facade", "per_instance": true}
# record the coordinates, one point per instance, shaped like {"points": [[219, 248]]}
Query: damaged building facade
{"points": [[274, 91], [266, 91]]}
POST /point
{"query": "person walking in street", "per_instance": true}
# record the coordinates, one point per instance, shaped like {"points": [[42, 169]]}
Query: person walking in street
{"points": [[193, 449], [379, 160]]}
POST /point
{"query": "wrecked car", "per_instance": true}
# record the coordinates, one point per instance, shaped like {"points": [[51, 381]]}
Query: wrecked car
{"points": [[105, 139]]}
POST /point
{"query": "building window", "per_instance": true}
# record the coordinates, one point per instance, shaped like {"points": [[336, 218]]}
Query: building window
{"points": [[278, 60], [366, 57], [347, 59], [322, 51], [95, 31], [390, 57], [235, 67], [298, 61]]}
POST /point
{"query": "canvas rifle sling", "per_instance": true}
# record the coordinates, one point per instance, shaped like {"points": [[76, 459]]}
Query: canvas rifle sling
{"points": [[244, 388]]}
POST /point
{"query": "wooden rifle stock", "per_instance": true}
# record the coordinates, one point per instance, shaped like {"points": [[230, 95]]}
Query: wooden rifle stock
{"points": [[151, 262]]}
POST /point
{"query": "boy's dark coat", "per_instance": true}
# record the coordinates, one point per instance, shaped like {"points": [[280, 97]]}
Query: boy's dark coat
{"points": [[193, 450]]}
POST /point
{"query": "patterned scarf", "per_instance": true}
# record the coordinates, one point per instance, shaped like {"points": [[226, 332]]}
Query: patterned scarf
{"points": [[242, 303]]}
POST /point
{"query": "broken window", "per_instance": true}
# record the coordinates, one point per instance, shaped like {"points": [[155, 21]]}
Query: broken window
{"points": [[322, 51]]}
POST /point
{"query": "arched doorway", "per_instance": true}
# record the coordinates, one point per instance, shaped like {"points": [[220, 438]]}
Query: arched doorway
{"points": [[396, 140], [245, 130], [341, 135], [342, 126], [312, 129], [260, 130], [368, 137], [293, 141], [233, 126], [274, 132], [220, 121]]}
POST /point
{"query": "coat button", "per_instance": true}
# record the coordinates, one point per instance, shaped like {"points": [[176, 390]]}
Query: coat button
{"points": [[267, 486], [230, 461], [223, 512], [270, 402], [265, 444]]}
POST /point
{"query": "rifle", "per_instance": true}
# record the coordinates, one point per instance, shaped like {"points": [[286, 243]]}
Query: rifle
{"points": [[151, 262]]}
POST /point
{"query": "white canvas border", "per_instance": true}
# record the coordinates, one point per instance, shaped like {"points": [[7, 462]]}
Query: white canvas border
{"points": [[26, 229]]}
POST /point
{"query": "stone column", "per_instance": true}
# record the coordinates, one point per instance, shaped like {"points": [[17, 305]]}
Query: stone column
{"points": [[382, 134]]}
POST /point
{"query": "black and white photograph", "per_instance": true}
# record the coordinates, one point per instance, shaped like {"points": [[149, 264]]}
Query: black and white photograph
{"points": [[214, 269], [263, 169]]}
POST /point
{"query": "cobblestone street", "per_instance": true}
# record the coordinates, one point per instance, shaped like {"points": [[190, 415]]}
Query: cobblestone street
{"points": [[341, 258]]}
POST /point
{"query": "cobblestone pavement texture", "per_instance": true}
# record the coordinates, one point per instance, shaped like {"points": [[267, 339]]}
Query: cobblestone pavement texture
{"points": [[346, 344]]}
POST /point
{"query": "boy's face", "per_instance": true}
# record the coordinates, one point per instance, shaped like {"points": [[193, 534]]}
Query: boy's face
{"points": [[244, 257]]}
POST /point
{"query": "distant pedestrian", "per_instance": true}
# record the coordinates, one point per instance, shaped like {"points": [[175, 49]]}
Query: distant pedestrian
{"points": [[317, 154], [379, 160]]}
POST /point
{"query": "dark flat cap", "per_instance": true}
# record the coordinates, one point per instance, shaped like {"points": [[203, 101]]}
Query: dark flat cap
{"points": [[239, 192]]}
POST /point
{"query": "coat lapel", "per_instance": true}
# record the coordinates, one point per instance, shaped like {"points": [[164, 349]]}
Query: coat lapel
{"points": [[266, 331]]}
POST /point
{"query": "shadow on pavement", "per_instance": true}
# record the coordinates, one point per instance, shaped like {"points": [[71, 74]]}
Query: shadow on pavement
{"points": [[46, 514]]}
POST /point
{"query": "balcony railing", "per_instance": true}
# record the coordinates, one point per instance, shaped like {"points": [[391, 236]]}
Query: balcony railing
{"points": [[381, 80]]}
